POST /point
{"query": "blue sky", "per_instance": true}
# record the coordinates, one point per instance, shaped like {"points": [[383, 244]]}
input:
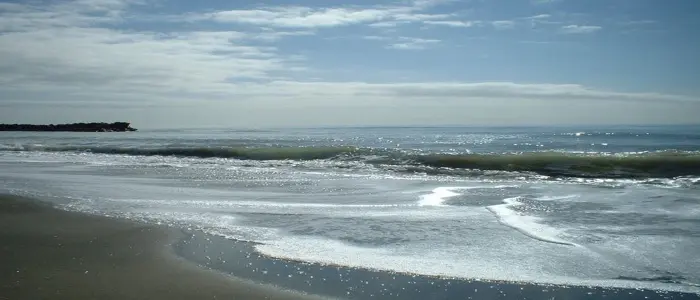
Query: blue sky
{"points": [[305, 63]]}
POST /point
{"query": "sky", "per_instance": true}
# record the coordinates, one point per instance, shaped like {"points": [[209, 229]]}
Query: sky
{"points": [[183, 63]]}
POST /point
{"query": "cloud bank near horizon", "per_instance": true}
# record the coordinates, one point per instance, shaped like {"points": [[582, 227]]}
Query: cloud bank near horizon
{"points": [[133, 59]]}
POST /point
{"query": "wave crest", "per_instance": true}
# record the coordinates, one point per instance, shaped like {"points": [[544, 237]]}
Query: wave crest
{"points": [[269, 153], [552, 164], [556, 164]]}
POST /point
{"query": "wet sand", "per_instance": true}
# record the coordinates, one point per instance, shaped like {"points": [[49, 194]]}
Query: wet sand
{"points": [[241, 259], [46, 253]]}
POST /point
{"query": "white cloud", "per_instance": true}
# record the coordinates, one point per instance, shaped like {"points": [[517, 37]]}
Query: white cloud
{"points": [[271, 35], [579, 29], [307, 17], [503, 24], [452, 23], [514, 91], [639, 23], [539, 17], [403, 43], [68, 48], [90, 56], [386, 24], [376, 38], [420, 17], [300, 16], [88, 60], [406, 43], [71, 54]]}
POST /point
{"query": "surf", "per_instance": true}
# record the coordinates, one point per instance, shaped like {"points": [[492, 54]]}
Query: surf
{"points": [[527, 225], [243, 153], [559, 164], [661, 164]]}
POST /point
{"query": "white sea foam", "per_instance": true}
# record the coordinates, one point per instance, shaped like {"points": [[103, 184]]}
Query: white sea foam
{"points": [[527, 225], [555, 198], [471, 246], [441, 194], [439, 262], [438, 196], [239, 204]]}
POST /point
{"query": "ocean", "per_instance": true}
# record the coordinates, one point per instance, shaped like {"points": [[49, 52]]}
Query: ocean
{"points": [[609, 207]]}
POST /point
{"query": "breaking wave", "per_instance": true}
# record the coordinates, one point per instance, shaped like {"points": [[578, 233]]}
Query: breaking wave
{"points": [[665, 164], [270, 153], [557, 164]]}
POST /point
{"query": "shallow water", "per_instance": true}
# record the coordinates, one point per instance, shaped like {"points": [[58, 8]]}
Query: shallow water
{"points": [[615, 206]]}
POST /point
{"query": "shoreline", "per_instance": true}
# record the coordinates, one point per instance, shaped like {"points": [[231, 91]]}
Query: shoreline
{"points": [[49, 253], [74, 255], [241, 259]]}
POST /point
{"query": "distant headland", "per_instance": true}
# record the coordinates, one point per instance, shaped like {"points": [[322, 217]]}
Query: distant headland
{"points": [[76, 127]]}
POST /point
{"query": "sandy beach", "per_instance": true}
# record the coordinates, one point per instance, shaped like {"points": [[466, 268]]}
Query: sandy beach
{"points": [[47, 253]]}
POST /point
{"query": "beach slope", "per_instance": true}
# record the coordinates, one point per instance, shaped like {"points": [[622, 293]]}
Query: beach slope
{"points": [[46, 253]]}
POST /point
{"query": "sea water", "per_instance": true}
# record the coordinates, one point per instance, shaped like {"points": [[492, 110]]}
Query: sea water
{"points": [[613, 206]]}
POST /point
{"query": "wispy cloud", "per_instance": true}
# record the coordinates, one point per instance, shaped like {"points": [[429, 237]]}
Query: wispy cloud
{"points": [[639, 23], [540, 17], [408, 43], [420, 17], [503, 24], [376, 38], [33, 16], [452, 23], [13, 7], [403, 42], [459, 91], [309, 17], [88, 54], [386, 24], [579, 29], [271, 35], [301, 16]]}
